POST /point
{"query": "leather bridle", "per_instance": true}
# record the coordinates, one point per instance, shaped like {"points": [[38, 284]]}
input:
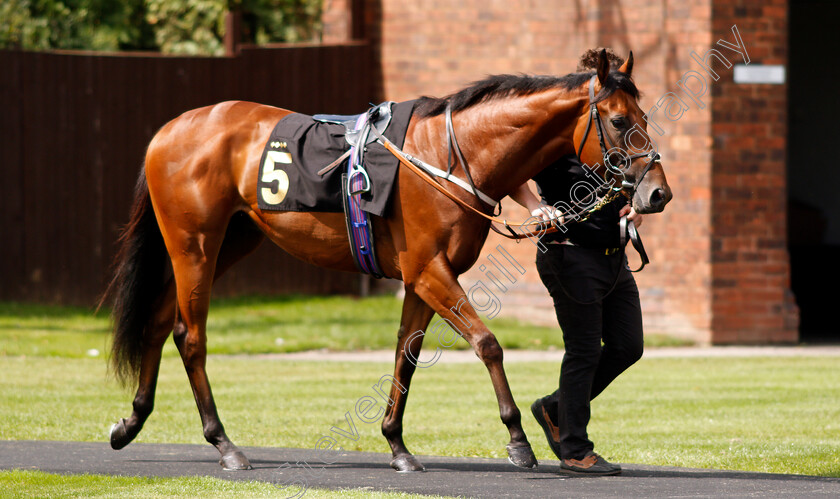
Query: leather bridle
{"points": [[595, 116]]}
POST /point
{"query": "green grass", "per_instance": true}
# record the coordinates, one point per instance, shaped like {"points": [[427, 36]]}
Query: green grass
{"points": [[254, 325], [757, 414], [26, 484], [27, 329]]}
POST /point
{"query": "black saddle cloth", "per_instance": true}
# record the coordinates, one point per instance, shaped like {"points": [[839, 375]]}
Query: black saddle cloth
{"points": [[300, 146]]}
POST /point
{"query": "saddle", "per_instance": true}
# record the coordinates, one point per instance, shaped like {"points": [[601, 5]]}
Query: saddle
{"points": [[378, 116]]}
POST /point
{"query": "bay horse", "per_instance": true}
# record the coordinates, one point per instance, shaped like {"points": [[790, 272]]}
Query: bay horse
{"points": [[195, 206]]}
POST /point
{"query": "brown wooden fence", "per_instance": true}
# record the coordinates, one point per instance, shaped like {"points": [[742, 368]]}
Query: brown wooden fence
{"points": [[73, 131]]}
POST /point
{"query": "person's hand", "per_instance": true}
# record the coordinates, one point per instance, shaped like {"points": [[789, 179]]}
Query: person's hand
{"points": [[547, 213], [631, 215]]}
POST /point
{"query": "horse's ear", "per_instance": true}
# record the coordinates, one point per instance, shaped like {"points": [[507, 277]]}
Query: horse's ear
{"points": [[627, 67], [603, 67]]}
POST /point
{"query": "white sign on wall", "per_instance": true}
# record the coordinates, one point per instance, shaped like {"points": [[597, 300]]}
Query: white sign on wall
{"points": [[760, 73]]}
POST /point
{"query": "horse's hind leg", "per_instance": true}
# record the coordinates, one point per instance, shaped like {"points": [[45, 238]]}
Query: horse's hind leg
{"points": [[124, 431], [242, 238], [194, 259], [415, 317]]}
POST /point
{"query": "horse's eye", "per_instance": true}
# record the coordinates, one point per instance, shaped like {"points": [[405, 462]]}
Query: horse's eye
{"points": [[618, 122]]}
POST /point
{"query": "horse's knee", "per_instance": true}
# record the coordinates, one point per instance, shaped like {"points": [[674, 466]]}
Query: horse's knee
{"points": [[487, 348]]}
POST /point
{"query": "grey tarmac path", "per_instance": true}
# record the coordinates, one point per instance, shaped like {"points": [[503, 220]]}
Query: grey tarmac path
{"points": [[448, 476]]}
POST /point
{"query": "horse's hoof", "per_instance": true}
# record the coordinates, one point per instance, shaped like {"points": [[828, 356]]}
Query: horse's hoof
{"points": [[521, 456], [235, 461], [406, 463], [119, 435]]}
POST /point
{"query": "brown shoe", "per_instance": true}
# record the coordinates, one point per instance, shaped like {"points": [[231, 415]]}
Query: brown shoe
{"points": [[552, 433], [592, 464]]}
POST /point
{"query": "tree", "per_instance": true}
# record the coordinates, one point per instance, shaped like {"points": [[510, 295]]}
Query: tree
{"points": [[169, 26], [188, 27], [268, 21]]}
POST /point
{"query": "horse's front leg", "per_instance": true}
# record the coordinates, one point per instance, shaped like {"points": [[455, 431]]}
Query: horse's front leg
{"points": [[438, 286], [415, 317]]}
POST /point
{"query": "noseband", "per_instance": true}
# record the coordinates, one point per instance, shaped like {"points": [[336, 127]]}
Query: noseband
{"points": [[595, 115]]}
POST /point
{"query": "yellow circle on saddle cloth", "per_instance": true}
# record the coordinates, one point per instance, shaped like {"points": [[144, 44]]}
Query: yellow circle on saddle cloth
{"points": [[270, 174]]}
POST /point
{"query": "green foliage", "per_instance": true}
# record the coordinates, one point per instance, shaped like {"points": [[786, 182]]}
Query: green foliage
{"points": [[74, 24], [269, 21], [170, 26], [191, 27], [39, 25]]}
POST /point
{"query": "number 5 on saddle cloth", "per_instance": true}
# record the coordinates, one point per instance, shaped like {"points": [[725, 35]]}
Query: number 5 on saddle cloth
{"points": [[293, 177]]}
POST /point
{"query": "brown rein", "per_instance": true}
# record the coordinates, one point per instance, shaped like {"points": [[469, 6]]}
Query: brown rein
{"points": [[426, 178]]}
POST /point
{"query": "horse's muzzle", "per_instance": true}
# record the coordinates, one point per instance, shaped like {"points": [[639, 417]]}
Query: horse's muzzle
{"points": [[651, 199]]}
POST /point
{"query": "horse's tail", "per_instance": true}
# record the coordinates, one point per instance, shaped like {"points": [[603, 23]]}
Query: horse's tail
{"points": [[140, 275]]}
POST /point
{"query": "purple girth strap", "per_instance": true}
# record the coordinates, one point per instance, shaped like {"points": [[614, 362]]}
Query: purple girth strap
{"points": [[360, 228]]}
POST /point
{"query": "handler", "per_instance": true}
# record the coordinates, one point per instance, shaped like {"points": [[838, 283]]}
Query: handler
{"points": [[595, 298]]}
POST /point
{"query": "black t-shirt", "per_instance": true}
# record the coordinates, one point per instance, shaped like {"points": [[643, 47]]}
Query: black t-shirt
{"points": [[567, 180]]}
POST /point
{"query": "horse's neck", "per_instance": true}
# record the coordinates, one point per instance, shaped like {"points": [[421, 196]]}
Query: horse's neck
{"points": [[508, 141]]}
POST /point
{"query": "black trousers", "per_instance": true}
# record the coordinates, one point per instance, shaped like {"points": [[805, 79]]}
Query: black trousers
{"points": [[596, 300]]}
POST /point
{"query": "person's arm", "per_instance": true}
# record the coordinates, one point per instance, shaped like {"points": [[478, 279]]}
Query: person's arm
{"points": [[523, 196]]}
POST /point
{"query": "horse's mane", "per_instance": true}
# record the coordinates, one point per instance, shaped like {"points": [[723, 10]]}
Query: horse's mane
{"points": [[500, 86]]}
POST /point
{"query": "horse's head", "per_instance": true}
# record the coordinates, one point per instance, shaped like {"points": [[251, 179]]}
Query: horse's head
{"points": [[612, 137]]}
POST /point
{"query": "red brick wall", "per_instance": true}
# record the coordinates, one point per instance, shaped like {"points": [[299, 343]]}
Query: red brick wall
{"points": [[438, 46], [675, 288], [337, 19], [752, 302]]}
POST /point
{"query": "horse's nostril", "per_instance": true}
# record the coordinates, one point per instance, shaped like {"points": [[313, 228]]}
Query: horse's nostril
{"points": [[657, 197]]}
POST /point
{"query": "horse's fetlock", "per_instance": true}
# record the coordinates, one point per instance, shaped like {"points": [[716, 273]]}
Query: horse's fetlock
{"points": [[391, 428], [143, 406], [214, 432], [510, 415]]}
